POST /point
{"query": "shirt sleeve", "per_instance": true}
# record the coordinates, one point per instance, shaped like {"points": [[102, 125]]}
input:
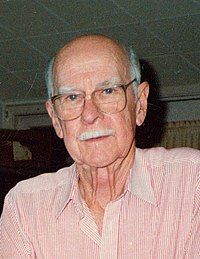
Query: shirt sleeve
{"points": [[14, 242], [193, 245]]}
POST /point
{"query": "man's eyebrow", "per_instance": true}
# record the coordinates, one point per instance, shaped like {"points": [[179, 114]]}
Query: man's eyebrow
{"points": [[66, 89], [63, 89], [112, 81]]}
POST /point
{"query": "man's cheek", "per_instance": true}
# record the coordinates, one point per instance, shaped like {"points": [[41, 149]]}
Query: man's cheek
{"points": [[73, 148], [69, 138]]}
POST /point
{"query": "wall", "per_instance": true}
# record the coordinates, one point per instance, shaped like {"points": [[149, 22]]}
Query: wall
{"points": [[183, 110]]}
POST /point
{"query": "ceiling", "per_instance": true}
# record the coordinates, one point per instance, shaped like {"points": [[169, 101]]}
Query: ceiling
{"points": [[165, 33]]}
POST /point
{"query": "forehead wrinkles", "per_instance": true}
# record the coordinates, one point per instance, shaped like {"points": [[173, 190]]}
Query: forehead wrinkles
{"points": [[69, 62]]}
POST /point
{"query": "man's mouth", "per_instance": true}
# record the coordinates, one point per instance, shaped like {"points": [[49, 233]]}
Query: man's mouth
{"points": [[96, 139], [96, 135]]}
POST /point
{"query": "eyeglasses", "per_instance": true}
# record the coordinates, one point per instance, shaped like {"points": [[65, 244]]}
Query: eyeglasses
{"points": [[108, 99]]}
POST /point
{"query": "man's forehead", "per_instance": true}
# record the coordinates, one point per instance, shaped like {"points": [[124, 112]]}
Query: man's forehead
{"points": [[90, 49], [77, 59], [69, 88], [90, 66], [89, 57]]}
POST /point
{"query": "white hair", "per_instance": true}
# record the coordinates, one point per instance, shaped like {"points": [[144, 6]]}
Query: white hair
{"points": [[134, 71], [49, 77]]}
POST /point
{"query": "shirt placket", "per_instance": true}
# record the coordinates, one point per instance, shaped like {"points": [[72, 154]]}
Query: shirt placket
{"points": [[109, 241], [89, 227]]}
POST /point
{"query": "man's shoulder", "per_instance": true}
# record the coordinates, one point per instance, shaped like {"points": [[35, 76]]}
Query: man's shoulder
{"points": [[45, 182], [159, 156]]}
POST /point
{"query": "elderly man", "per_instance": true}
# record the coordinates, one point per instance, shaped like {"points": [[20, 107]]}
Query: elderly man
{"points": [[115, 201]]}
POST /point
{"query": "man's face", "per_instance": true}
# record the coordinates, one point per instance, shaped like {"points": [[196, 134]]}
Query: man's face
{"points": [[84, 68]]}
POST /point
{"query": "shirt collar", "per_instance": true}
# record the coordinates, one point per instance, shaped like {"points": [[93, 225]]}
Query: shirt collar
{"points": [[140, 179], [66, 192], [139, 183]]}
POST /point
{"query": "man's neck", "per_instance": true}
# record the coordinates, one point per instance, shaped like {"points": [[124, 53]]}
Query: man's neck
{"points": [[102, 185]]}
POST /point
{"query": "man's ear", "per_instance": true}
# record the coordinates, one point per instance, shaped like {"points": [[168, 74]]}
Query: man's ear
{"points": [[54, 119], [141, 105]]}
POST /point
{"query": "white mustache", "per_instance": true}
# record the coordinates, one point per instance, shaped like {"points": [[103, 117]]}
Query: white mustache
{"points": [[95, 134]]}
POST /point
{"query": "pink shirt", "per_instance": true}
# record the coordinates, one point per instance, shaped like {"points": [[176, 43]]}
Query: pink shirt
{"points": [[158, 215]]}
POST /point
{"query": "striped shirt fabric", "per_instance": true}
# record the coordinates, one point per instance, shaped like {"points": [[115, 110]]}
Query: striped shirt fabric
{"points": [[157, 216]]}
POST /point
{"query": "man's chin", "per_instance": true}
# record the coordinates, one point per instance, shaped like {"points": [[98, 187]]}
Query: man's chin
{"points": [[97, 162]]}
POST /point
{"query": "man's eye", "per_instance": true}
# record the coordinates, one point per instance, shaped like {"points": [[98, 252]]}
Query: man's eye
{"points": [[108, 90], [71, 97]]}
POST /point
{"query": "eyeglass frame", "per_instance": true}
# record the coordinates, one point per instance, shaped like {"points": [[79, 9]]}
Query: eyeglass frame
{"points": [[123, 86]]}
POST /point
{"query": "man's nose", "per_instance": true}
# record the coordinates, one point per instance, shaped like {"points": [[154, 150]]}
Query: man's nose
{"points": [[90, 112]]}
